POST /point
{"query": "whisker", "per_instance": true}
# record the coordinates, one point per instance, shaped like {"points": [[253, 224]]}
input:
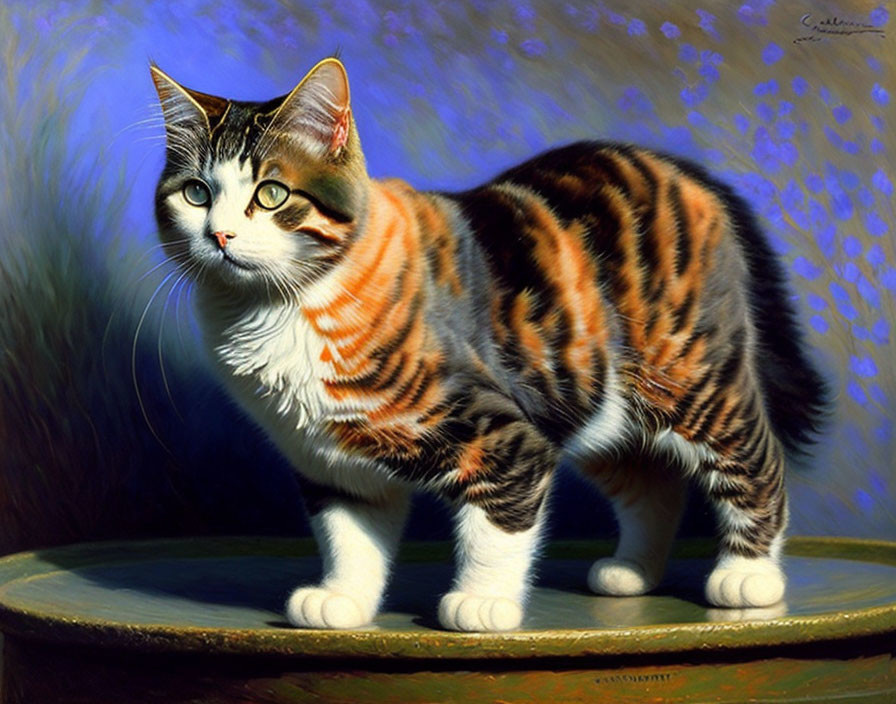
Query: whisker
{"points": [[159, 344], [134, 361]]}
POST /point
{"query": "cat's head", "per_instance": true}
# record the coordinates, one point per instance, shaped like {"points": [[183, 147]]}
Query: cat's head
{"points": [[260, 198]]}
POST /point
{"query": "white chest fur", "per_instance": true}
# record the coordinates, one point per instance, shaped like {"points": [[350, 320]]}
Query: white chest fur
{"points": [[273, 355], [270, 359]]}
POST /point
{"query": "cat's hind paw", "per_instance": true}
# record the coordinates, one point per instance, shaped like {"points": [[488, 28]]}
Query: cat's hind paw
{"points": [[315, 607], [459, 611], [616, 577], [745, 583]]}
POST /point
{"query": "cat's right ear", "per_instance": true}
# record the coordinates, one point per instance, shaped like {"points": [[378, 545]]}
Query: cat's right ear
{"points": [[186, 109]]}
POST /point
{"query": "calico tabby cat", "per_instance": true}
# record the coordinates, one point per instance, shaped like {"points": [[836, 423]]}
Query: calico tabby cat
{"points": [[600, 302]]}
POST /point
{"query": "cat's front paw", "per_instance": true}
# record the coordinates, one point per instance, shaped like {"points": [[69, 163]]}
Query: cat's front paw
{"points": [[615, 577], [459, 611], [315, 607], [745, 583]]}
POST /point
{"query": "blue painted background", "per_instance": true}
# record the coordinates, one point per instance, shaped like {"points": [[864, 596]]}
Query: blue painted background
{"points": [[110, 423]]}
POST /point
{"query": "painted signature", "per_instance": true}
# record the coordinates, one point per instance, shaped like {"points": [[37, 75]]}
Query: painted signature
{"points": [[831, 27]]}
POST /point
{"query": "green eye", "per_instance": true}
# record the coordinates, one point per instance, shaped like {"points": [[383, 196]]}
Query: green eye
{"points": [[196, 193], [271, 194]]}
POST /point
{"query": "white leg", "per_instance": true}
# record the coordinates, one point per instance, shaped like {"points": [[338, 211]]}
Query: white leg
{"points": [[647, 526], [357, 542], [492, 582], [747, 582]]}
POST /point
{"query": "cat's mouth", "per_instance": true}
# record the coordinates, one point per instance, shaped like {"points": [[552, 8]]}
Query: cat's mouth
{"points": [[234, 262]]}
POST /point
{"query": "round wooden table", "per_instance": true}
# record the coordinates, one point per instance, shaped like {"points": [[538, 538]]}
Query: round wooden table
{"points": [[201, 620]]}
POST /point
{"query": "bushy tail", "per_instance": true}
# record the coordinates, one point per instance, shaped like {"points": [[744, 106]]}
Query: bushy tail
{"points": [[795, 394]]}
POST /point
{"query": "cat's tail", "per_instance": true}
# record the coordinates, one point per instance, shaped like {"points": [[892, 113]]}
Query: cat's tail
{"points": [[796, 396]]}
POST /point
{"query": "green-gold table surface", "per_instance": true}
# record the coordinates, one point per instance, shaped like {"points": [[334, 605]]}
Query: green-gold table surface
{"points": [[200, 620]]}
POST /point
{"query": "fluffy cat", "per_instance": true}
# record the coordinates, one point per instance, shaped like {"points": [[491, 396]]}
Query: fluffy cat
{"points": [[600, 302]]}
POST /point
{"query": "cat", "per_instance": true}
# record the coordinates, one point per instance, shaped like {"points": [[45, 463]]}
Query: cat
{"points": [[601, 302]]}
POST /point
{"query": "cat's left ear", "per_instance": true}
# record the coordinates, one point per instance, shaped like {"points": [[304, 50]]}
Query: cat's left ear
{"points": [[318, 110], [186, 108]]}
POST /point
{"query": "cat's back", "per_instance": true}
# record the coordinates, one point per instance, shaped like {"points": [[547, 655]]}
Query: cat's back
{"points": [[607, 191], [599, 246]]}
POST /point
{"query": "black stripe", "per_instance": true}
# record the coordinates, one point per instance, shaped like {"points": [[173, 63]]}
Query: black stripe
{"points": [[683, 236]]}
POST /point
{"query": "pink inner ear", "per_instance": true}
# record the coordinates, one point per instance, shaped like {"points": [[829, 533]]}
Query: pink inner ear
{"points": [[340, 130]]}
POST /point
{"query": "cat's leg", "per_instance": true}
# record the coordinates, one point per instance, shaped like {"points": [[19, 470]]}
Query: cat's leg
{"points": [[501, 478], [648, 496], [357, 539], [494, 565], [746, 486]]}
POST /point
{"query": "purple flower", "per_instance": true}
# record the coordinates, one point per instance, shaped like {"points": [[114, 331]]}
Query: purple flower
{"points": [[879, 94], [882, 182], [694, 95], [865, 196], [636, 27], [697, 119], [819, 324], [878, 16], [858, 395], [772, 53], [806, 268], [616, 18], [863, 366], [814, 183], [785, 129], [880, 331], [875, 225], [816, 302], [749, 15], [708, 56], [765, 112], [789, 153], [533, 47], [868, 292], [766, 88], [849, 272], [709, 72], [799, 85], [833, 136], [707, 23], [888, 278], [686, 52], [670, 31], [852, 246], [842, 114], [841, 204], [875, 255], [849, 179]]}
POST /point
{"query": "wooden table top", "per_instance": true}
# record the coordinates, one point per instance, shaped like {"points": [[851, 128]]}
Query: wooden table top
{"points": [[225, 595]]}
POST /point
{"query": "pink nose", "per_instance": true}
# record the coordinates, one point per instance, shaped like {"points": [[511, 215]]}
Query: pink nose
{"points": [[223, 238]]}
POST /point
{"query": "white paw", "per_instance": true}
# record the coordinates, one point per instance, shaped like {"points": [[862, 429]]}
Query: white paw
{"points": [[745, 583], [314, 607], [615, 577], [459, 611]]}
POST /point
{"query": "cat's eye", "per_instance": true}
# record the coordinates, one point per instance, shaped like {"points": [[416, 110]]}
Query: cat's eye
{"points": [[271, 195], [196, 193]]}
